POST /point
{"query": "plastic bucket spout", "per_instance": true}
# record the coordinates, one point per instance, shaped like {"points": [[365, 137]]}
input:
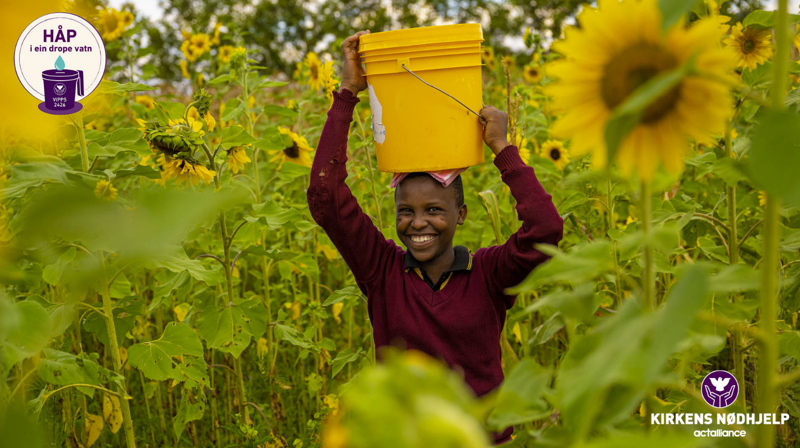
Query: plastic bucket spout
{"points": [[61, 87], [417, 128]]}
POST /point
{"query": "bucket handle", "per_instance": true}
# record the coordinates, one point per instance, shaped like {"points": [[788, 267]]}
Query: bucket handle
{"points": [[451, 96]]}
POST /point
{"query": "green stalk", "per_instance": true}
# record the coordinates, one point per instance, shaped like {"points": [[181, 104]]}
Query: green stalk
{"points": [[77, 121], [108, 309], [733, 241], [648, 273], [371, 173], [610, 224], [768, 355]]}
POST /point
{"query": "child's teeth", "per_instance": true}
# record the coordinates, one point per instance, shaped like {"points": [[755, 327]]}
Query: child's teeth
{"points": [[421, 239]]}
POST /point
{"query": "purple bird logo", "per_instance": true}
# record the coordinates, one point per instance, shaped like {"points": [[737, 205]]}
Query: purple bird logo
{"points": [[60, 89], [720, 389]]}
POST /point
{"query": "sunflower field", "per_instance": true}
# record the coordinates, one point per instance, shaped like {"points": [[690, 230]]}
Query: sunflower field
{"points": [[164, 284]]}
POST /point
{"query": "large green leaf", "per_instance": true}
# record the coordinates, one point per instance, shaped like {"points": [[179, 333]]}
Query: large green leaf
{"points": [[191, 408], [583, 263], [294, 337], [775, 153], [672, 10], [26, 332], [177, 261], [235, 136], [520, 397], [343, 358], [62, 369], [126, 139], [229, 328], [342, 294], [176, 355], [121, 89], [579, 303], [766, 19]]}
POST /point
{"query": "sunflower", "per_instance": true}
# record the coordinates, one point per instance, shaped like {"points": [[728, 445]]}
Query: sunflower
{"points": [[105, 190], [752, 46], [186, 169], [487, 54], [185, 69], [126, 17], [313, 71], [210, 122], [237, 158], [555, 151], [199, 44], [532, 73], [299, 152], [224, 53], [762, 198], [146, 101], [111, 24], [620, 46], [186, 49], [329, 80], [796, 41]]}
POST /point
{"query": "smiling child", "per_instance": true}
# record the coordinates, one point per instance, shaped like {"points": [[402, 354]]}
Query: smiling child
{"points": [[434, 297]]}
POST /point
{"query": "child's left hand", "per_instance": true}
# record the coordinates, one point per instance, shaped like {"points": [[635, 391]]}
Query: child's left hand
{"points": [[495, 128]]}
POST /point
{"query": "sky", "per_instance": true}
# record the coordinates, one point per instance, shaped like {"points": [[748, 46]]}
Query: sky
{"points": [[151, 9]]}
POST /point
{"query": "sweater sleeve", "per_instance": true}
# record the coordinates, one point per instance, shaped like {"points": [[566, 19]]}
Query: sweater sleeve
{"points": [[508, 264], [332, 204]]}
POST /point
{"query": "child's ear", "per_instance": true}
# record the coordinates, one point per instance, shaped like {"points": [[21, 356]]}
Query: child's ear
{"points": [[462, 214]]}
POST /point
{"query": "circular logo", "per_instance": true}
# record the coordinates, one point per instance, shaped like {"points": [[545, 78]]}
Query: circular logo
{"points": [[720, 389], [60, 59]]}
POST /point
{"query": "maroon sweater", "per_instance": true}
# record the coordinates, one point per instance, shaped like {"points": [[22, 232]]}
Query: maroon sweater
{"points": [[462, 322]]}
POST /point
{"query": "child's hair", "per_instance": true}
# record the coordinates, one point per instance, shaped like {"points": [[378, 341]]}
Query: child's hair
{"points": [[457, 185]]}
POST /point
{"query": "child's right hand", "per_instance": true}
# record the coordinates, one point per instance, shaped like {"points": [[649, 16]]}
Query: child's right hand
{"points": [[353, 72]]}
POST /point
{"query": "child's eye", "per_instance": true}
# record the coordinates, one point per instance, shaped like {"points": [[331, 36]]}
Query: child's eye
{"points": [[434, 209], [404, 210]]}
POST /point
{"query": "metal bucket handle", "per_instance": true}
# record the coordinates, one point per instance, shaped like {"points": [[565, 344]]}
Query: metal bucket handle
{"points": [[80, 83]]}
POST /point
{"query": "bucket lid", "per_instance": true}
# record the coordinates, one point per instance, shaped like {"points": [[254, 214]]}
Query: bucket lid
{"points": [[421, 36], [60, 75]]}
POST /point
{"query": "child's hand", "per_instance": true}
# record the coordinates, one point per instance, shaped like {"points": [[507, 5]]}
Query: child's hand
{"points": [[495, 128], [352, 71]]}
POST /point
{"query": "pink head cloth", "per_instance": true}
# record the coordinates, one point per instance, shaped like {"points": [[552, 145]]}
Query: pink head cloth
{"points": [[444, 176]]}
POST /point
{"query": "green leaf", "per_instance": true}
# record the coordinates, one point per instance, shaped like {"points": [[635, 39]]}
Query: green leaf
{"points": [[269, 83], [520, 397], [789, 344], [52, 273], [766, 19], [222, 79], [672, 10], [235, 136], [273, 110], [139, 170], [577, 304], [729, 170], [583, 263], [230, 328], [174, 110], [734, 279], [39, 170], [27, 332], [294, 337], [121, 89], [232, 110], [62, 369], [343, 358], [190, 409], [759, 78], [775, 154], [492, 208], [127, 139], [177, 261], [159, 360], [125, 312], [341, 294]]}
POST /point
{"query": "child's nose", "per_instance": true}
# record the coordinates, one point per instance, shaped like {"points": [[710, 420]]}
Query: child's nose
{"points": [[419, 222]]}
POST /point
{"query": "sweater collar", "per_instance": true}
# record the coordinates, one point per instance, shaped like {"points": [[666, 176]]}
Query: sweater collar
{"points": [[461, 262]]}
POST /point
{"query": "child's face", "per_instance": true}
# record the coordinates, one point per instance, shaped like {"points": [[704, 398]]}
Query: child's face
{"points": [[427, 216]]}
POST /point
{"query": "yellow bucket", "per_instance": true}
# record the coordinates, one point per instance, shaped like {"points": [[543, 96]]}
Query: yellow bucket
{"points": [[417, 128]]}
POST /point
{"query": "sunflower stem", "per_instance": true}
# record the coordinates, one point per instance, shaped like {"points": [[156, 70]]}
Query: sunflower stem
{"points": [[768, 389], [733, 251], [648, 273], [77, 121], [116, 359]]}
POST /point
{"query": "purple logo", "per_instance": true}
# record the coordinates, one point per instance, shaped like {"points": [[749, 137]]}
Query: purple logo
{"points": [[60, 89], [720, 389]]}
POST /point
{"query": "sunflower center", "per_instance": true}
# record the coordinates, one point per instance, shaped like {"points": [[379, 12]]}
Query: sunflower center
{"points": [[748, 46], [293, 151], [555, 154], [314, 71], [111, 22], [631, 68]]}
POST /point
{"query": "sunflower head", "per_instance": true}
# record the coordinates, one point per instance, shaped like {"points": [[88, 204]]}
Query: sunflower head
{"points": [[185, 69], [105, 190], [555, 151], [237, 157], [179, 136], [297, 149], [184, 168], [619, 47], [111, 23], [224, 53], [487, 54], [312, 71], [199, 43], [238, 57], [752, 46], [532, 73], [146, 101]]}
